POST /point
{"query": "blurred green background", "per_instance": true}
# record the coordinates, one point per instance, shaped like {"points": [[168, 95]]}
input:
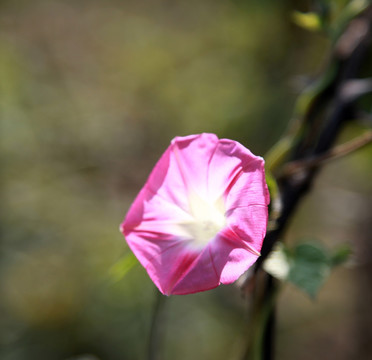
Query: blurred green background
{"points": [[91, 93]]}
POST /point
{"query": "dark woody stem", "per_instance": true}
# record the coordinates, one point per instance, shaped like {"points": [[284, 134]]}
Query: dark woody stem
{"points": [[316, 128], [337, 152]]}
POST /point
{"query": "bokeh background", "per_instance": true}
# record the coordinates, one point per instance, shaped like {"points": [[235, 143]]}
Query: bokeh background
{"points": [[91, 93]]}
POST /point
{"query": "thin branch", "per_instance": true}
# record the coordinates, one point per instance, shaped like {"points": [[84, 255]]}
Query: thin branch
{"points": [[337, 152]]}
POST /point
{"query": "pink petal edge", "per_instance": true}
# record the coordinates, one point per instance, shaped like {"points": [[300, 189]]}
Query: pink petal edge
{"points": [[213, 168]]}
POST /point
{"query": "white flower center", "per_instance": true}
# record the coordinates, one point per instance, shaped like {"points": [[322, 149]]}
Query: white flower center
{"points": [[209, 220]]}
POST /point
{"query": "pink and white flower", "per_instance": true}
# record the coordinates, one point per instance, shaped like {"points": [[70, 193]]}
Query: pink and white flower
{"points": [[201, 217]]}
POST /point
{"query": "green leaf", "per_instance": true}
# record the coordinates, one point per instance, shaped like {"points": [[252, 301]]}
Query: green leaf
{"points": [[310, 267], [340, 255], [307, 266], [122, 267], [309, 21], [275, 202], [277, 155], [272, 185]]}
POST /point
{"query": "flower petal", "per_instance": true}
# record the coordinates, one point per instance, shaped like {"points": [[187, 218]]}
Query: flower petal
{"points": [[229, 160], [249, 186], [222, 261], [230, 260], [201, 217], [200, 276], [193, 154], [249, 224], [164, 258]]}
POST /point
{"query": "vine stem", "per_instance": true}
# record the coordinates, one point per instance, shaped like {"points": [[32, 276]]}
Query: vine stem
{"points": [[262, 316], [157, 328], [337, 152], [319, 121]]}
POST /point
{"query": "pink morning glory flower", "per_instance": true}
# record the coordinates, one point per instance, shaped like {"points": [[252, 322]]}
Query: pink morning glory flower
{"points": [[201, 217]]}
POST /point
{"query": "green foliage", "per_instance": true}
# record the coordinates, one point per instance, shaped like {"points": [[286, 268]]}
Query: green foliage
{"points": [[310, 267], [307, 266], [340, 255], [309, 21], [331, 17], [122, 267]]}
